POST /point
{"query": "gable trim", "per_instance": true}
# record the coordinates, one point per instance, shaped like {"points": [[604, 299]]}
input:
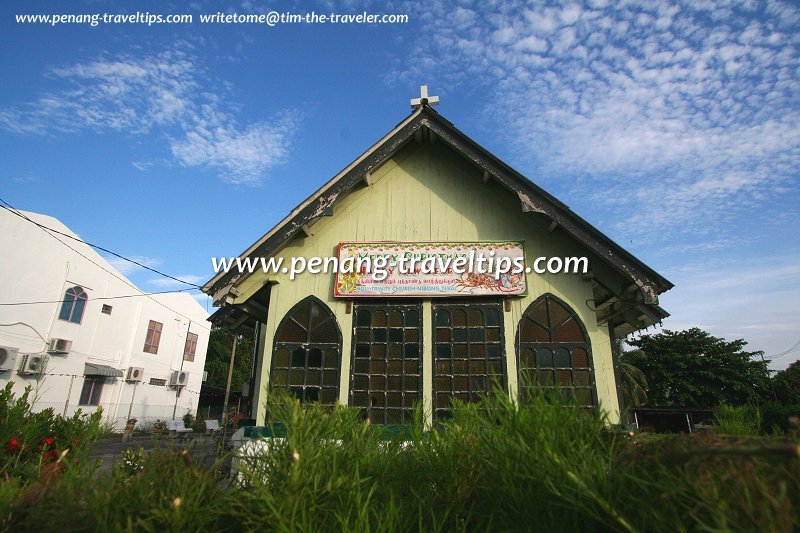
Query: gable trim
{"points": [[532, 199]]}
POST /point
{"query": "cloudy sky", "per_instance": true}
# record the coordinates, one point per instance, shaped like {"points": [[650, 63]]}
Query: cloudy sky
{"points": [[672, 127]]}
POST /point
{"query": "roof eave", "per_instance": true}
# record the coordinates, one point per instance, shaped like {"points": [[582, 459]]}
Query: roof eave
{"points": [[532, 199], [402, 132]]}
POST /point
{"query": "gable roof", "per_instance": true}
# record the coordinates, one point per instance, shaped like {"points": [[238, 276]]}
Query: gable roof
{"points": [[424, 121]]}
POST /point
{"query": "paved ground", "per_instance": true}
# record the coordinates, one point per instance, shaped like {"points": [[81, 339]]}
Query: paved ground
{"points": [[109, 451]]}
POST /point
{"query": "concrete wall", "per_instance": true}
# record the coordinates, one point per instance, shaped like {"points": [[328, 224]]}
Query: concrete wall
{"points": [[36, 267]]}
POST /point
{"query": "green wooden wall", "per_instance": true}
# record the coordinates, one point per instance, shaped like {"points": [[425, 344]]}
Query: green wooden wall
{"points": [[427, 192]]}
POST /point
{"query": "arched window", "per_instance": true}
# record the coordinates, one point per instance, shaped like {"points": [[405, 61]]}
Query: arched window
{"points": [[73, 305], [554, 350], [307, 351]]}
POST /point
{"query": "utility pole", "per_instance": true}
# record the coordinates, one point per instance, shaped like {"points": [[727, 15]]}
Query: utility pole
{"points": [[130, 407], [771, 384], [228, 387]]}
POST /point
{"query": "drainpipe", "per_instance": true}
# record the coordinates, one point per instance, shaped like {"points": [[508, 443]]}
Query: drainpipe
{"points": [[228, 387], [128, 362], [183, 357]]}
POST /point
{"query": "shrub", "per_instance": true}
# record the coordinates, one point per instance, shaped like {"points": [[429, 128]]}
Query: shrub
{"points": [[741, 420], [132, 461], [38, 448], [533, 465], [776, 417], [169, 492], [33, 439]]}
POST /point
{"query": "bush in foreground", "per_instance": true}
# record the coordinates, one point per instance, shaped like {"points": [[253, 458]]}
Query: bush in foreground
{"points": [[498, 466]]}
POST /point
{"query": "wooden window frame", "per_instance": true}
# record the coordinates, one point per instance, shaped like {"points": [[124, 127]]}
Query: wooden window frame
{"points": [[316, 380], [559, 370], [91, 396], [153, 337], [386, 361], [478, 380], [190, 347]]}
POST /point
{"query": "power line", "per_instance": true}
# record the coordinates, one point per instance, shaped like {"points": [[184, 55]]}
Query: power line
{"points": [[29, 326], [98, 298], [127, 282], [8, 207], [793, 348]]}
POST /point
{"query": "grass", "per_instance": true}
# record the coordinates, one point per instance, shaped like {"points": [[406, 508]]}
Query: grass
{"points": [[743, 420], [501, 467]]}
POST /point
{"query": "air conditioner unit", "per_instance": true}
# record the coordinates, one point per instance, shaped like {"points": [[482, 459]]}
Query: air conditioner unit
{"points": [[205, 375], [33, 364], [8, 357], [179, 379], [135, 373], [59, 346]]}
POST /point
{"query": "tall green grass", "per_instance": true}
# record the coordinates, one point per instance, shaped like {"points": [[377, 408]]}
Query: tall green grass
{"points": [[739, 420], [501, 466]]}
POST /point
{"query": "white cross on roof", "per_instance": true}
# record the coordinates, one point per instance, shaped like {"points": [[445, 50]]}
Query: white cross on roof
{"points": [[424, 99]]}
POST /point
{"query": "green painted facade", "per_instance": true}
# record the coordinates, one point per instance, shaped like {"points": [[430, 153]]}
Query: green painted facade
{"points": [[428, 192]]}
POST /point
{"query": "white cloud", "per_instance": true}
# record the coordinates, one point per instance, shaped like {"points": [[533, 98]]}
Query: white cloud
{"points": [[570, 14], [127, 268], [750, 299], [119, 94], [167, 283], [531, 44], [684, 122], [26, 179], [167, 94], [240, 155], [204, 300], [674, 124]]}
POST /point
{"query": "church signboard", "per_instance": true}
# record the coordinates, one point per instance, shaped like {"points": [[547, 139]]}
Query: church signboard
{"points": [[430, 269]]}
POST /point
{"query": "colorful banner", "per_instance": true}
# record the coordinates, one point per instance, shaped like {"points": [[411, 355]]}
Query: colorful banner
{"points": [[430, 269]]}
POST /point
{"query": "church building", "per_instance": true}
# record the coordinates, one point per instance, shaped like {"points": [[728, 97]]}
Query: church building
{"points": [[414, 335]]}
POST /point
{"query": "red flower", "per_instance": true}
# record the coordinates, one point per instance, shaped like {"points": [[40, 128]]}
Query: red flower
{"points": [[48, 441], [12, 445], [51, 455], [75, 443]]}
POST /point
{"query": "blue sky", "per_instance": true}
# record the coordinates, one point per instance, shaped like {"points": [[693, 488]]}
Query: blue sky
{"points": [[672, 127]]}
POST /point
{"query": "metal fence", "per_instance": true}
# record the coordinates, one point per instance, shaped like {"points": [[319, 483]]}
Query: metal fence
{"points": [[146, 415]]}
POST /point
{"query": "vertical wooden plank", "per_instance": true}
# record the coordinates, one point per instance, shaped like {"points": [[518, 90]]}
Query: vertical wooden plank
{"points": [[346, 323], [509, 333], [427, 361], [262, 377]]}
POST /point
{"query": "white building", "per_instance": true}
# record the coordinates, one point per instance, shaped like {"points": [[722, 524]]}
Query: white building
{"points": [[82, 335]]}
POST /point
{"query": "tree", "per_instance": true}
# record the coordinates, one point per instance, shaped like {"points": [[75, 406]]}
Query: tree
{"points": [[694, 369], [787, 384], [634, 384], [219, 355]]}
